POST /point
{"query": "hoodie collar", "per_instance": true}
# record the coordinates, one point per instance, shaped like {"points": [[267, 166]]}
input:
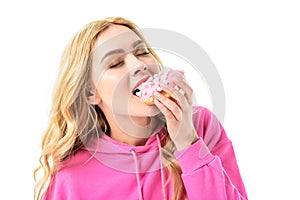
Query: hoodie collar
{"points": [[118, 155]]}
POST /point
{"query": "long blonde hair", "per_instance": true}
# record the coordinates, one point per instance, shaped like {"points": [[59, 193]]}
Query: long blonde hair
{"points": [[73, 120]]}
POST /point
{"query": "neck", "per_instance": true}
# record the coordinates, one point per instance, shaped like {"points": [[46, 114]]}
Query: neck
{"points": [[133, 131], [127, 139]]}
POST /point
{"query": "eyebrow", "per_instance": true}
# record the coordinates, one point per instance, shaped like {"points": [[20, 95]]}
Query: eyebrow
{"points": [[117, 51]]}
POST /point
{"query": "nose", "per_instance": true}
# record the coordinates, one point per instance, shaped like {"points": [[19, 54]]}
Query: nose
{"points": [[135, 65]]}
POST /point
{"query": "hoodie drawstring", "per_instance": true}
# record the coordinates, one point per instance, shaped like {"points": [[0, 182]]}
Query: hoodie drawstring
{"points": [[137, 174], [161, 167], [137, 170]]}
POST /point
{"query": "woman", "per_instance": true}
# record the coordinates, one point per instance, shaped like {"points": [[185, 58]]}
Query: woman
{"points": [[102, 142]]}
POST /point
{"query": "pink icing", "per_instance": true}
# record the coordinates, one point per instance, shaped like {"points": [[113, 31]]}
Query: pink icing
{"points": [[164, 77]]}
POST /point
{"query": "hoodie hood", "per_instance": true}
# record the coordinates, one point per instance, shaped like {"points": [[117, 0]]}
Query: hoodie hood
{"points": [[132, 159], [119, 156]]}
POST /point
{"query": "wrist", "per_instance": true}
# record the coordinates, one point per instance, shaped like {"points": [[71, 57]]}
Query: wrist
{"points": [[188, 141]]}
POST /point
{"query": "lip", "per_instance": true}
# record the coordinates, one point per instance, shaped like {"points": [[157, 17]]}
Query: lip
{"points": [[142, 80]]}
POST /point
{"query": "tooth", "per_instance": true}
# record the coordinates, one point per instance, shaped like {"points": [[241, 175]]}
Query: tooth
{"points": [[138, 93]]}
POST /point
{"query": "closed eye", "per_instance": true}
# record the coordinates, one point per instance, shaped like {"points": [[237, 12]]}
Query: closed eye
{"points": [[142, 52], [117, 64]]}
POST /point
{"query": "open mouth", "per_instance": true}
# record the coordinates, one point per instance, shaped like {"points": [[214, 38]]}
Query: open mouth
{"points": [[136, 92]]}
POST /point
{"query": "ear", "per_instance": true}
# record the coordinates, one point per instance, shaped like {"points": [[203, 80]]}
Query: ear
{"points": [[93, 98]]}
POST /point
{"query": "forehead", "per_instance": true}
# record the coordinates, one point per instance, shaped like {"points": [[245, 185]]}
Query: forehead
{"points": [[115, 36], [112, 38]]}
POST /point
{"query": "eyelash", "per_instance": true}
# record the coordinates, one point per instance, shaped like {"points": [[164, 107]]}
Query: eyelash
{"points": [[115, 65], [144, 53]]}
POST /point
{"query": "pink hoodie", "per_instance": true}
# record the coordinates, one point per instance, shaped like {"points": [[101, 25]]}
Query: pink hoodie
{"points": [[108, 169]]}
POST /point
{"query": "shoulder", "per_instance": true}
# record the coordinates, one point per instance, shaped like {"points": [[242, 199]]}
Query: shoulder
{"points": [[203, 117], [74, 164], [202, 112], [68, 176], [209, 127], [79, 158]]}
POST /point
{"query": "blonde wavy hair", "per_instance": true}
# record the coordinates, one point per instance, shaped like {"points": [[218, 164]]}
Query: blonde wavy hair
{"points": [[73, 120]]}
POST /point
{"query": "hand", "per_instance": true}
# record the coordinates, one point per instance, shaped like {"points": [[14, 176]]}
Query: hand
{"points": [[178, 113]]}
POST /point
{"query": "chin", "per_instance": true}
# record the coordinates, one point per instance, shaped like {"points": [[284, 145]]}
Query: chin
{"points": [[139, 109], [150, 111]]}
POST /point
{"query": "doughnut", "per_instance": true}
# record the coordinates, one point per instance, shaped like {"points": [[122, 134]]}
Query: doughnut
{"points": [[145, 92]]}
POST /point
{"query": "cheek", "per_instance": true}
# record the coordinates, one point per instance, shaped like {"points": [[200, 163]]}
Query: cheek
{"points": [[105, 86], [112, 87]]}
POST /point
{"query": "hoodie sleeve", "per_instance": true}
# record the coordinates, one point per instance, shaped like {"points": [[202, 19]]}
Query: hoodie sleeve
{"points": [[209, 167]]}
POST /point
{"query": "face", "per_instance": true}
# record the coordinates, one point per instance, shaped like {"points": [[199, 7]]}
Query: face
{"points": [[121, 60]]}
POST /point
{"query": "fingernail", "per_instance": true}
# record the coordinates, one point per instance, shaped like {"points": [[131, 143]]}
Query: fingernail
{"points": [[181, 91], [157, 103], [156, 94]]}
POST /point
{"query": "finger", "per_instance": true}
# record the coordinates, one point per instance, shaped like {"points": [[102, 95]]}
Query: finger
{"points": [[160, 106], [165, 111], [169, 105], [175, 94], [188, 91]]}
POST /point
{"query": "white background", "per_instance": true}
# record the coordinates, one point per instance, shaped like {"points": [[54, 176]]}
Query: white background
{"points": [[255, 46]]}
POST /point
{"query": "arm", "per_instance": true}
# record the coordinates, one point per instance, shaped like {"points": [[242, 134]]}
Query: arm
{"points": [[205, 154], [209, 167]]}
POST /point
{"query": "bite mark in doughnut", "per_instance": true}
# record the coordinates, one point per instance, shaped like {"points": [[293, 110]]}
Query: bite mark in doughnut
{"points": [[145, 92]]}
